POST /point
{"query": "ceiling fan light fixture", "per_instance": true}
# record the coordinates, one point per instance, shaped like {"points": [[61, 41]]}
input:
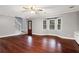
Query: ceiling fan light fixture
{"points": [[71, 6], [32, 12], [33, 9]]}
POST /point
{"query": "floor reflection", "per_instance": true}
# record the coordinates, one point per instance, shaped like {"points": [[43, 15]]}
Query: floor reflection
{"points": [[51, 44], [59, 48], [54, 44], [44, 42], [47, 43], [29, 40]]}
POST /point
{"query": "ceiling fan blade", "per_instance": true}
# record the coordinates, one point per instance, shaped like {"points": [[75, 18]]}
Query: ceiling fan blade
{"points": [[25, 8], [40, 10], [31, 8]]}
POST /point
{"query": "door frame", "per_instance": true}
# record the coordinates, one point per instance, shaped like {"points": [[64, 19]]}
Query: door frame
{"points": [[29, 27]]}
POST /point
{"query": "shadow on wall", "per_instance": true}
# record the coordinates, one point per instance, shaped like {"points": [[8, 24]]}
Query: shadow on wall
{"points": [[7, 26]]}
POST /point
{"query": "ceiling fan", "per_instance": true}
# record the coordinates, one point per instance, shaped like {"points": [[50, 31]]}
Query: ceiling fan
{"points": [[32, 9]]}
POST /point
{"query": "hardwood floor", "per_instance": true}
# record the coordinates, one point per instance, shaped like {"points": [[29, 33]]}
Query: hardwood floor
{"points": [[37, 44]]}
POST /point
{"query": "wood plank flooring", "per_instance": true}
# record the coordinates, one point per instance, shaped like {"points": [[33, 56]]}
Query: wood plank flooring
{"points": [[37, 44]]}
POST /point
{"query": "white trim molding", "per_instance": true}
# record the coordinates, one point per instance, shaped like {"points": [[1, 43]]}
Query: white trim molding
{"points": [[18, 33], [56, 35]]}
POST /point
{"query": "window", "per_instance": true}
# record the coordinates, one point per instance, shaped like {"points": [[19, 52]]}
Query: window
{"points": [[52, 24], [44, 24], [59, 24]]}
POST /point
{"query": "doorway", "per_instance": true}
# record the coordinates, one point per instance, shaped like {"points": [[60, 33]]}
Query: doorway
{"points": [[30, 27]]}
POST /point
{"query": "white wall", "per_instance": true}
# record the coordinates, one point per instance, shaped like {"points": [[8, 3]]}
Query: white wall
{"points": [[78, 20], [7, 26], [69, 25], [25, 26], [22, 24], [37, 26]]}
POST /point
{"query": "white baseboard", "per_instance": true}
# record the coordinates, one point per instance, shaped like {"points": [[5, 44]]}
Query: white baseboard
{"points": [[19, 33], [56, 35], [37, 34]]}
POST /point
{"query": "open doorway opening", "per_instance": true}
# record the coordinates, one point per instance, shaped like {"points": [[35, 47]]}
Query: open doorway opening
{"points": [[29, 27]]}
